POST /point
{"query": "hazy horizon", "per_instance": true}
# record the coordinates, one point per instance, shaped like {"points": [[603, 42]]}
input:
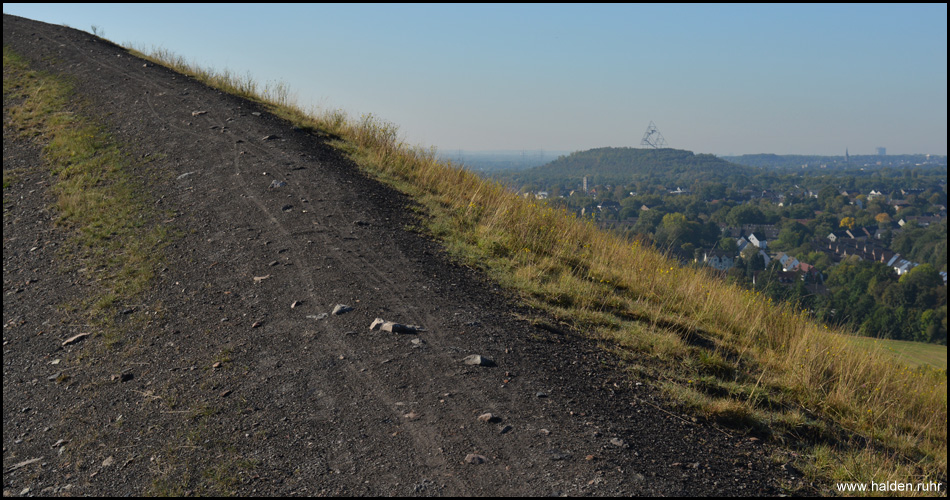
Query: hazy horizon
{"points": [[554, 150], [721, 79]]}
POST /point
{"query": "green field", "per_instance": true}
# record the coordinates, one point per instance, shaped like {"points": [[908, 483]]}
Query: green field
{"points": [[915, 353]]}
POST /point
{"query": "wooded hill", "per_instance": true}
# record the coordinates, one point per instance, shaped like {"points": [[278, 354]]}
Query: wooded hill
{"points": [[624, 166]]}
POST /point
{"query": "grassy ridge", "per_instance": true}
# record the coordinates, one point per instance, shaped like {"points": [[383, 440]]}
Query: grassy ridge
{"points": [[853, 413]]}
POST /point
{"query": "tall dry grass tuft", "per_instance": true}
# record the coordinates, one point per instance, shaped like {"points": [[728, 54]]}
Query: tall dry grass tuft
{"points": [[706, 337]]}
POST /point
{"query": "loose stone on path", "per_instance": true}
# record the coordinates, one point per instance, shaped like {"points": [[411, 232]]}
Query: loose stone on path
{"points": [[478, 360], [475, 459], [75, 338], [488, 417], [341, 309], [390, 326]]}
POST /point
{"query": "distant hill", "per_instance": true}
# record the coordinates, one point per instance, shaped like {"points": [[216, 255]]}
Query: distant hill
{"points": [[628, 165]]}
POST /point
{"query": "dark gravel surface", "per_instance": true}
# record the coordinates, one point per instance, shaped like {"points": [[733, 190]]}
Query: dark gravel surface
{"points": [[223, 387]]}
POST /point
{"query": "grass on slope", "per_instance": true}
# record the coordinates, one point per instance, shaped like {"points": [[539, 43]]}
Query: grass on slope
{"points": [[113, 241], [852, 413], [115, 246]]}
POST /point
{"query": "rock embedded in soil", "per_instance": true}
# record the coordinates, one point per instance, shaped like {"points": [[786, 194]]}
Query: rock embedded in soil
{"points": [[488, 417], [478, 360], [341, 309], [391, 326], [475, 459], [75, 338]]}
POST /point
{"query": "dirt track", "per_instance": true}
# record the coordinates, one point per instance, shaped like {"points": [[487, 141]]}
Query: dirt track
{"points": [[304, 405]]}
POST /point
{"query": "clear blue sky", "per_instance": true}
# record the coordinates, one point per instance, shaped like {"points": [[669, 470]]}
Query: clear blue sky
{"points": [[722, 79]]}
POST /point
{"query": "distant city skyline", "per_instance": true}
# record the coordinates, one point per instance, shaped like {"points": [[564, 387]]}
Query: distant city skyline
{"points": [[720, 79]]}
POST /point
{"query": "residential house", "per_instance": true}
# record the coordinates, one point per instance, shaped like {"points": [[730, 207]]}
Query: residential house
{"points": [[836, 236], [877, 193], [758, 241], [762, 231], [899, 204], [893, 260], [903, 265], [742, 243], [810, 273], [789, 263], [860, 233], [885, 256], [718, 259]]}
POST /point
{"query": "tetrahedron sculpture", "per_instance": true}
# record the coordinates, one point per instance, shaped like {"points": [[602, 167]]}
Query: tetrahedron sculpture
{"points": [[653, 137]]}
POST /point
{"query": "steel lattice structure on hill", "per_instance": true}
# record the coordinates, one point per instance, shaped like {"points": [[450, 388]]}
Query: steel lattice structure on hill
{"points": [[653, 137]]}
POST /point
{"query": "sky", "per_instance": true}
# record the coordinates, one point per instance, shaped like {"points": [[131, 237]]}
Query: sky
{"points": [[720, 79]]}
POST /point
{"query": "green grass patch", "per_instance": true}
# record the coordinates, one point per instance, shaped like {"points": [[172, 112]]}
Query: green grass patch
{"points": [[113, 239], [915, 354]]}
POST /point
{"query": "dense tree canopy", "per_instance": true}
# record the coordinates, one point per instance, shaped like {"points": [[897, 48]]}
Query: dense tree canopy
{"points": [[869, 297]]}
